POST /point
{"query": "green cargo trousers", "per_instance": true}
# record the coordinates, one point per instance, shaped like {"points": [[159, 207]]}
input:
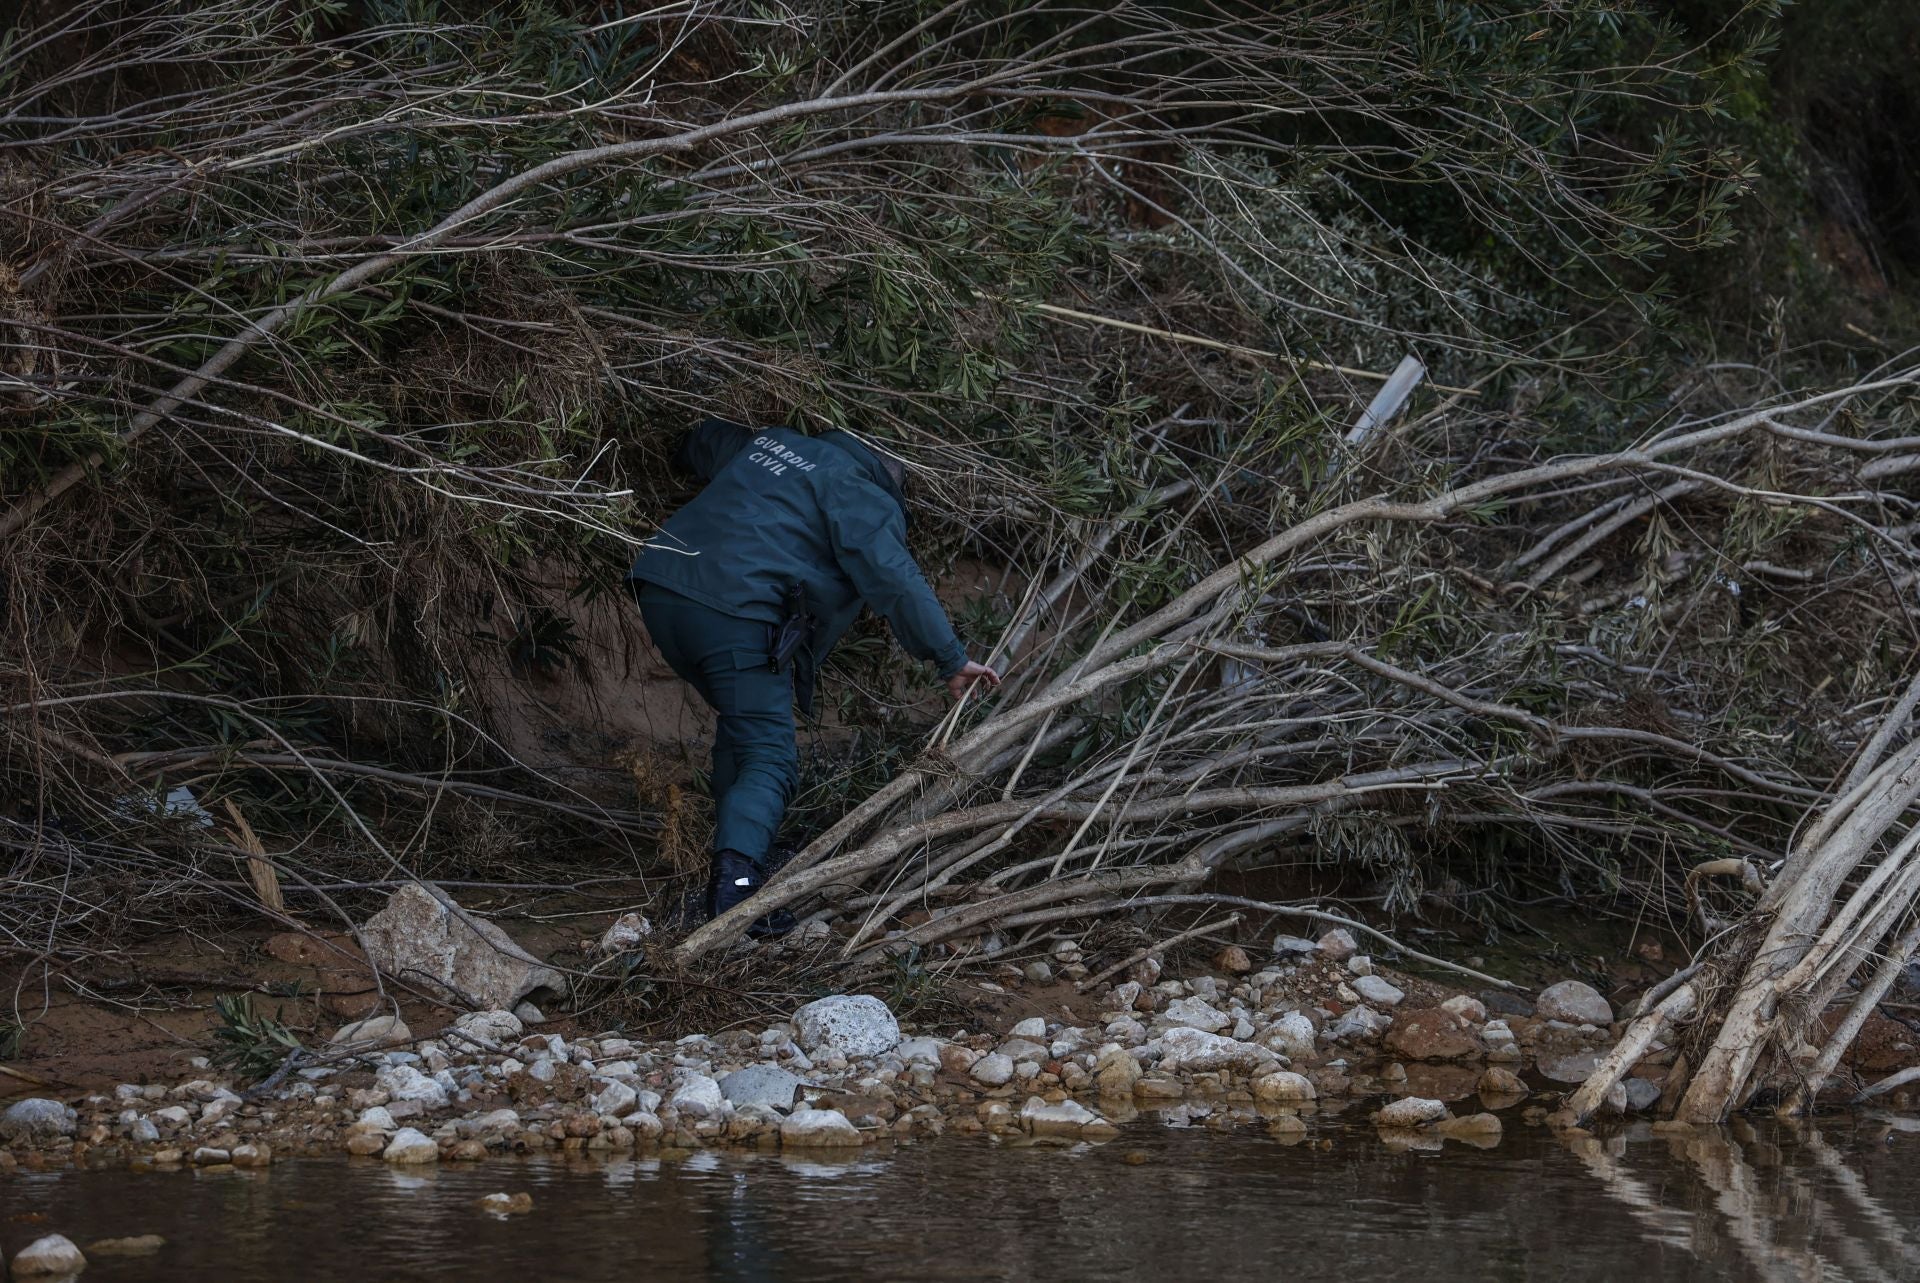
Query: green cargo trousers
{"points": [[756, 761]]}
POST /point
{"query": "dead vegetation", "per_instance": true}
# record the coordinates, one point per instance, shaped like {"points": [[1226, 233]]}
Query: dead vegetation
{"points": [[337, 374]]}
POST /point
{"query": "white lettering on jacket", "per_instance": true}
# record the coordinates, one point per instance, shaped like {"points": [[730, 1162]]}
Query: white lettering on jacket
{"points": [[776, 458]]}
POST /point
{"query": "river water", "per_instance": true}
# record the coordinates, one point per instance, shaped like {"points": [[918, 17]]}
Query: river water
{"points": [[1840, 1201]]}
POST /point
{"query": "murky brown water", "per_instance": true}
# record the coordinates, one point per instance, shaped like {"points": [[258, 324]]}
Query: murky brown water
{"points": [[1840, 1201]]}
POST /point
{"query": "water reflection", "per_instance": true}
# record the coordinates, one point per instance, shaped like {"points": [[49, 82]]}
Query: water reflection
{"points": [[1225, 1192], [1783, 1203]]}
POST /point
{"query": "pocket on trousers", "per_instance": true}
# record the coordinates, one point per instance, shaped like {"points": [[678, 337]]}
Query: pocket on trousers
{"points": [[746, 660]]}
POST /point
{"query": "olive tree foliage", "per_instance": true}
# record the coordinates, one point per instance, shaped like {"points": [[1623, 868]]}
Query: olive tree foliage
{"points": [[333, 335]]}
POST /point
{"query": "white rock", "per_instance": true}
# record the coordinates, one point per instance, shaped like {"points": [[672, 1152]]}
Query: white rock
{"points": [[1198, 1050], [424, 935], [1467, 1007], [528, 1014], [992, 1069], [54, 1254], [818, 1128], [496, 1027], [1068, 1118], [172, 1116], [1338, 944], [616, 1100], [1196, 1013], [1284, 944], [1497, 1034], [1362, 1024], [920, 1051], [143, 1131], [767, 1085], [404, 1082], [377, 1118], [1291, 1035], [626, 933], [1411, 1112], [1574, 1003], [697, 1096], [372, 1032], [1283, 1087], [411, 1147], [37, 1118], [1360, 965], [1377, 991], [1031, 1027], [851, 1025]]}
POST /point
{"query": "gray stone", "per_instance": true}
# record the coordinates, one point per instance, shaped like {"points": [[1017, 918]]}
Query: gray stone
{"points": [[920, 1051], [626, 933], [425, 936], [404, 1082], [1642, 1094], [143, 1132], [1019, 1049], [1569, 1069], [1575, 1003], [374, 1031], [1362, 1024], [1196, 1013], [528, 1014], [1031, 1027], [697, 1096], [1377, 991], [496, 1027], [1291, 1035], [1411, 1112], [1198, 1050], [37, 1118], [1285, 944], [762, 1085], [992, 1069], [818, 1129], [616, 1100], [1338, 944], [1068, 1118], [1284, 1088], [410, 1147], [55, 1254], [853, 1025]]}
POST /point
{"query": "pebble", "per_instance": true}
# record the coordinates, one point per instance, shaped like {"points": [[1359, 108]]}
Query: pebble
{"points": [[1503, 1082], [1196, 1049], [697, 1096], [504, 1204], [1411, 1111], [411, 1147], [760, 1085], [1467, 1007], [818, 1128], [404, 1082], [491, 1026], [1284, 945], [37, 1119], [1377, 991], [528, 1014], [1196, 1013], [1337, 944], [1031, 1027], [626, 933], [1575, 1003], [992, 1069], [616, 1099], [1283, 1087], [53, 1254], [373, 1031]]}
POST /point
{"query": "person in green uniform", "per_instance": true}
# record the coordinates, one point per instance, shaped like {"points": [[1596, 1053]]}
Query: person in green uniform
{"points": [[791, 535]]}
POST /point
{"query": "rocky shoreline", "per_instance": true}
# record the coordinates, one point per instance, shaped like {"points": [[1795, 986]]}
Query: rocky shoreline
{"points": [[1244, 1048], [1318, 1028]]}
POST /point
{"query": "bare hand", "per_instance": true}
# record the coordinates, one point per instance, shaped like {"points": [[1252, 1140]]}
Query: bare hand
{"points": [[961, 682]]}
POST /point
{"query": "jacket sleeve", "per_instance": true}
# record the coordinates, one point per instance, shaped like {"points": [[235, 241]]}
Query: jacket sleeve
{"points": [[710, 446], [869, 543]]}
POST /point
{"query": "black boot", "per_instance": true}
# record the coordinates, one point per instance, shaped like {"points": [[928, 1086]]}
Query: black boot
{"points": [[731, 879]]}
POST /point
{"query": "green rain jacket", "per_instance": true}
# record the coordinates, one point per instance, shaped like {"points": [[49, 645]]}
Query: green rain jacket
{"points": [[782, 507]]}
